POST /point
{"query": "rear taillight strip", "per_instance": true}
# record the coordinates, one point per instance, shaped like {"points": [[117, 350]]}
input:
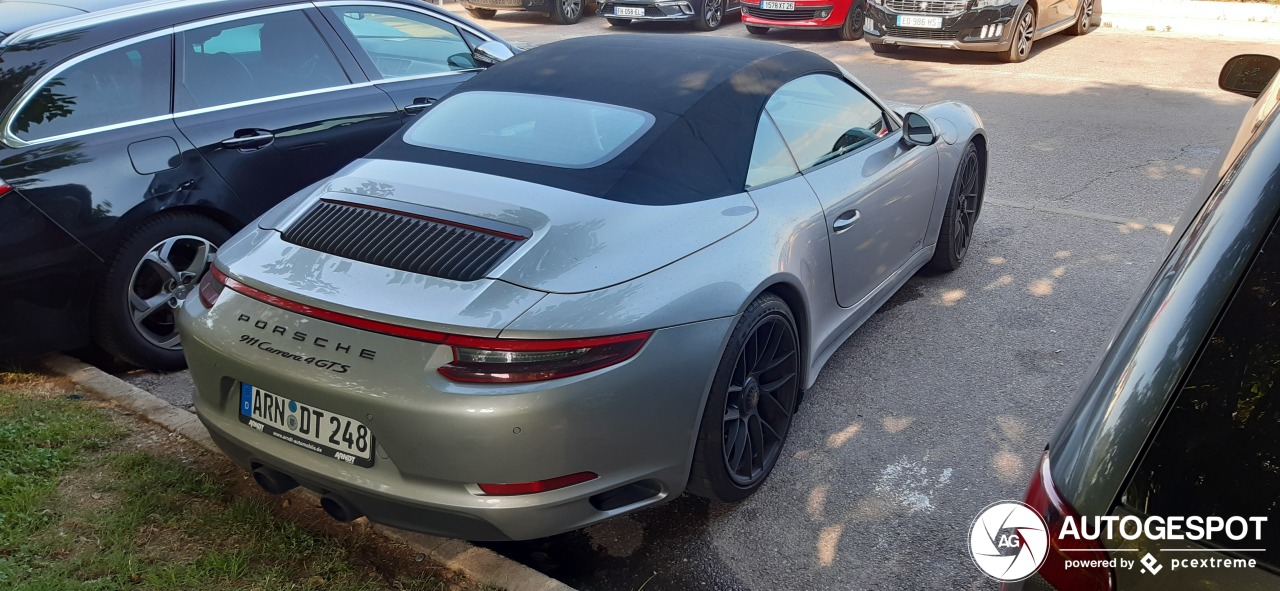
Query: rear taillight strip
{"points": [[4, 188], [619, 347]]}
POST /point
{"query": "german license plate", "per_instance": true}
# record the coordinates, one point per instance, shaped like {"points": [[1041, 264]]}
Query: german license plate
{"points": [[628, 11], [326, 433], [920, 22], [772, 5]]}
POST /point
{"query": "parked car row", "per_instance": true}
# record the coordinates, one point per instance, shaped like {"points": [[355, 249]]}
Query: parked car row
{"points": [[138, 137], [1005, 28]]}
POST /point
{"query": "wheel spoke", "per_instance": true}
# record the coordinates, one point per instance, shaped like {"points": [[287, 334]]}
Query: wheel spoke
{"points": [[776, 405], [778, 383], [770, 348], [732, 414], [777, 362], [739, 448], [757, 444], [144, 308], [769, 430], [158, 260]]}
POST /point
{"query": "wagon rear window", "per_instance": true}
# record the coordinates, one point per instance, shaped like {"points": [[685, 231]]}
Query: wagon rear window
{"points": [[552, 131]]}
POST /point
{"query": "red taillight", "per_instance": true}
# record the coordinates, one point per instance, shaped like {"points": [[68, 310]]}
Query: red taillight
{"points": [[1043, 496], [479, 359], [4, 188], [506, 361], [528, 488], [211, 286]]}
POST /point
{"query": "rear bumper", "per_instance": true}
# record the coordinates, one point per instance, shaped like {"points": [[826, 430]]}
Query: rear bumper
{"points": [[631, 423], [664, 10], [962, 31]]}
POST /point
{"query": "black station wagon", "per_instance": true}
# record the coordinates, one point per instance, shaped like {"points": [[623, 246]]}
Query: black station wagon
{"points": [[136, 137]]}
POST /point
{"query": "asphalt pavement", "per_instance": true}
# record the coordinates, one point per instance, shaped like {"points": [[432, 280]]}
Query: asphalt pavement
{"points": [[942, 403]]}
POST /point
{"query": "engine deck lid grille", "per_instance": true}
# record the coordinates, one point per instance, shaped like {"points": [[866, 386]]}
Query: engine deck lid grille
{"points": [[402, 240]]}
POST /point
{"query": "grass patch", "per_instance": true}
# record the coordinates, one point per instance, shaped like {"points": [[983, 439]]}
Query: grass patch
{"points": [[90, 500]]}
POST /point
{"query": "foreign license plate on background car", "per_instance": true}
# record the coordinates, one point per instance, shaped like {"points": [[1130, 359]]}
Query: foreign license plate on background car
{"points": [[771, 5], [920, 22], [628, 11], [326, 433]]}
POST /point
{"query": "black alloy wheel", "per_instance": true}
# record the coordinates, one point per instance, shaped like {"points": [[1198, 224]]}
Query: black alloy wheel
{"points": [[963, 206], [749, 409], [566, 12], [711, 16], [1084, 19], [853, 23], [1024, 33]]}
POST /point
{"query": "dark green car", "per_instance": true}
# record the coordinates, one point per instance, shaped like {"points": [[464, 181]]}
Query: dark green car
{"points": [[1177, 428]]}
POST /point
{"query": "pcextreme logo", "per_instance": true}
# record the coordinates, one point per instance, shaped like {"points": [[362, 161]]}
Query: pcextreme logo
{"points": [[1009, 541]]}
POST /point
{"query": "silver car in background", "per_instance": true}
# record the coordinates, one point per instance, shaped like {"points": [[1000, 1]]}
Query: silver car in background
{"points": [[570, 290]]}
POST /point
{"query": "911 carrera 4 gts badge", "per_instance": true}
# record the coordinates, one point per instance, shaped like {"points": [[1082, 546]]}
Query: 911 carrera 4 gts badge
{"points": [[262, 345]]}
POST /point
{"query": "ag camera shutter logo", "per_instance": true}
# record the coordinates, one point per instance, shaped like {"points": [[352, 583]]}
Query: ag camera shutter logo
{"points": [[1008, 541]]}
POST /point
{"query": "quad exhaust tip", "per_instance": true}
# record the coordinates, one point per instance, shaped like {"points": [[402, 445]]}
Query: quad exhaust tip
{"points": [[273, 481], [340, 509]]}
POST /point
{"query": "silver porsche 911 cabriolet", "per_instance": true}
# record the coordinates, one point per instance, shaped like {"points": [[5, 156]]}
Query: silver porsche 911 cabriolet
{"points": [[572, 289]]}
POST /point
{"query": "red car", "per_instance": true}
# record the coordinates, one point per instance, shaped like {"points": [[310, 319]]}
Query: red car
{"points": [[847, 16]]}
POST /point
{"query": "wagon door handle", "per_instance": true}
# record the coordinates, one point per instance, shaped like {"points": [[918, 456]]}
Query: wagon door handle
{"points": [[419, 105], [249, 139], [846, 220]]}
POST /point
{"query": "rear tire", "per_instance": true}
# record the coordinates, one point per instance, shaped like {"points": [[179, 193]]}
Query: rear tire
{"points": [[1084, 20], [619, 22], [482, 13], [750, 405], [711, 16], [955, 237], [566, 12], [158, 265], [757, 30], [852, 28], [883, 47]]}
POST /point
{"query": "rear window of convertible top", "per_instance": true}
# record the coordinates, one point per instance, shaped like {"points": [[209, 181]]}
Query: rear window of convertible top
{"points": [[538, 129]]}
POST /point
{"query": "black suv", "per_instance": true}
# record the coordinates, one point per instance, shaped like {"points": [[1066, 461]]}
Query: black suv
{"points": [[1179, 421], [135, 138]]}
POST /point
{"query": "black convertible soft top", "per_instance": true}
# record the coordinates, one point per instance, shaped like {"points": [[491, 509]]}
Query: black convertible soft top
{"points": [[706, 95]]}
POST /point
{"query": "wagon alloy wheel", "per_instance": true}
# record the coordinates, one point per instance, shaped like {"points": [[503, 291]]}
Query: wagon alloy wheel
{"points": [[748, 412], [158, 264], [712, 15], [966, 204], [162, 280], [761, 397]]}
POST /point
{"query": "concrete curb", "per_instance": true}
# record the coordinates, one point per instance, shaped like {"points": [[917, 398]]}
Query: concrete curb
{"points": [[478, 564]]}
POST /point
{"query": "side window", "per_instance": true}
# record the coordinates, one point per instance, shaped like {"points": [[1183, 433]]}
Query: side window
{"points": [[406, 43], [823, 117], [770, 158], [253, 58], [1218, 451], [121, 85]]}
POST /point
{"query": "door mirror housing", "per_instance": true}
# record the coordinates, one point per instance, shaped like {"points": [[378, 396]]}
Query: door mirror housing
{"points": [[492, 52], [917, 130], [1248, 74]]}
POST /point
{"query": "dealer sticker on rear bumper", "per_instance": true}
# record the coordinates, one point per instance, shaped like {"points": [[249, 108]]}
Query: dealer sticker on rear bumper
{"points": [[326, 433]]}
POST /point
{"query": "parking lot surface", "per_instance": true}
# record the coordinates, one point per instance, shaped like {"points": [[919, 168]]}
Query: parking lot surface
{"points": [[942, 403]]}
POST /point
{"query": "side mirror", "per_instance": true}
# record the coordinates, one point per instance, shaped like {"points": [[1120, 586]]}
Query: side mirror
{"points": [[917, 130], [1248, 74], [492, 52]]}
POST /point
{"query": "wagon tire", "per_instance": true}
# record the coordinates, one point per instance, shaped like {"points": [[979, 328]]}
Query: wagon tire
{"points": [[157, 266]]}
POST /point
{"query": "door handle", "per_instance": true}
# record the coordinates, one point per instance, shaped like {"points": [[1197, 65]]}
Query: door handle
{"points": [[846, 220], [249, 139], [419, 105]]}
